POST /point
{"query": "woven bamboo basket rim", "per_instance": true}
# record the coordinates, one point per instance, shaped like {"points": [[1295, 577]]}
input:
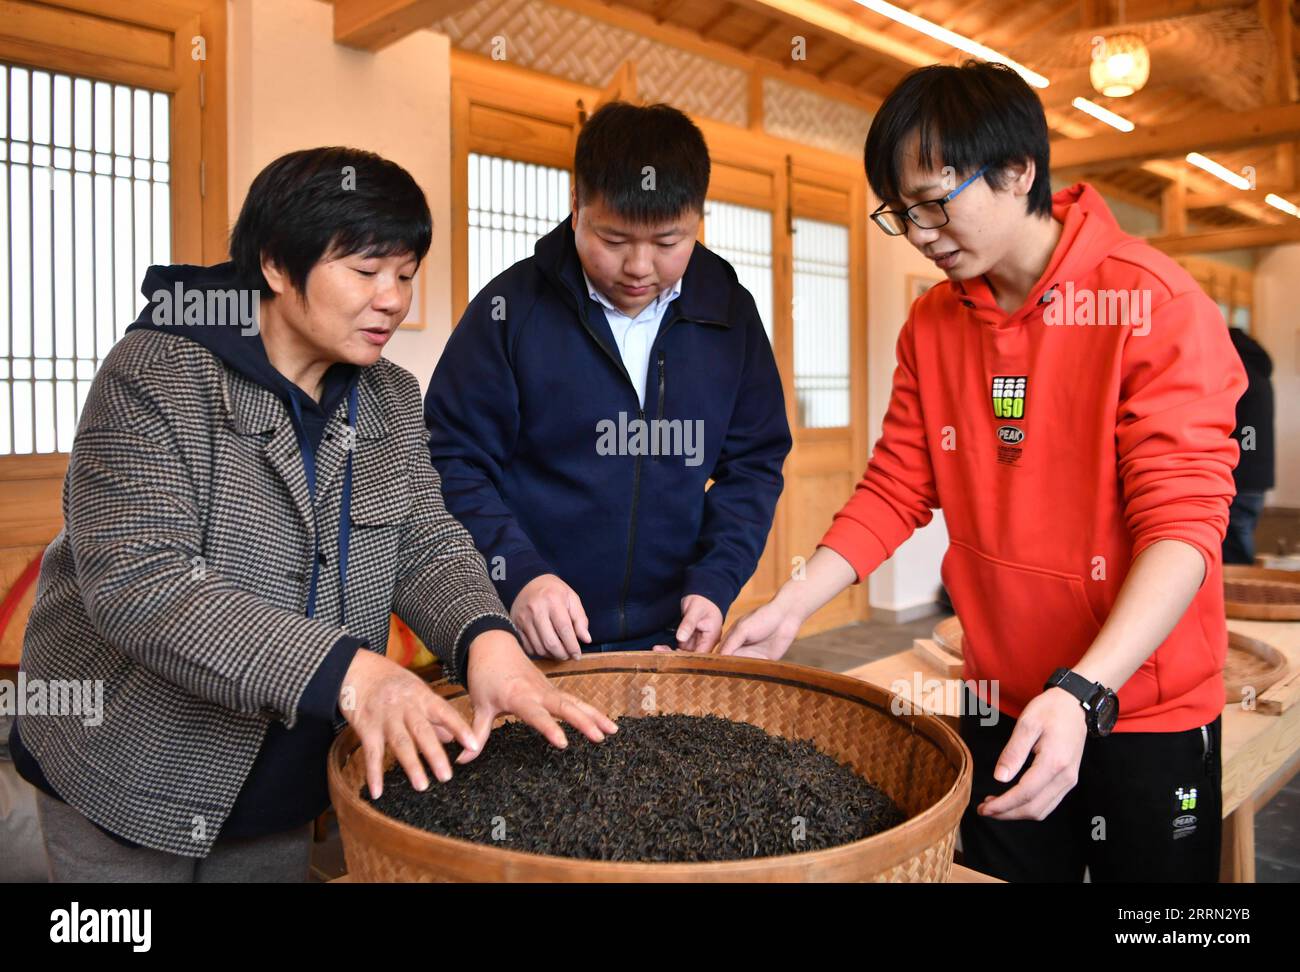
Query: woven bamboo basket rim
{"points": [[948, 633], [938, 819], [1234, 679], [1268, 578], [1252, 572]]}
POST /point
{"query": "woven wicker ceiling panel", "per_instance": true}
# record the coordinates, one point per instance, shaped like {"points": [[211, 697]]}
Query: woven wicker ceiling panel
{"points": [[566, 44], [569, 45], [809, 118]]}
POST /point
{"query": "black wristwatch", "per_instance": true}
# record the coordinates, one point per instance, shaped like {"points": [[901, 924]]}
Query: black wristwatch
{"points": [[1100, 704]]}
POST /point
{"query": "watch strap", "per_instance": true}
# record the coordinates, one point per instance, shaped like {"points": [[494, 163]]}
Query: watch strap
{"points": [[1074, 683]]}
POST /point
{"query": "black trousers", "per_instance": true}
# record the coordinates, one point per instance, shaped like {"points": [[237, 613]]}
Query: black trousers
{"points": [[1148, 806]]}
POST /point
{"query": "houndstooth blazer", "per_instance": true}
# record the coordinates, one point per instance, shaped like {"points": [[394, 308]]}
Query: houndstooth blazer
{"points": [[180, 578]]}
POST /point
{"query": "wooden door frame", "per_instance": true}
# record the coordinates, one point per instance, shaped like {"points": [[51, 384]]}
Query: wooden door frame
{"points": [[545, 123], [819, 192]]}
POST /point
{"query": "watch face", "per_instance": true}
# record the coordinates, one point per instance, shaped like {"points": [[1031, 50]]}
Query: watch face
{"points": [[1107, 708]]}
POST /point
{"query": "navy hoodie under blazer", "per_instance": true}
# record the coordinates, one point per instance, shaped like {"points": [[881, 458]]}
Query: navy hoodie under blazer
{"points": [[529, 381]]}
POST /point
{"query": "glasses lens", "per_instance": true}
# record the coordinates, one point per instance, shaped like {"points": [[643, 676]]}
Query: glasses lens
{"points": [[891, 223], [929, 215]]}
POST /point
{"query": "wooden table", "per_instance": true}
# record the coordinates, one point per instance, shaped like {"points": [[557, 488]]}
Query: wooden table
{"points": [[964, 875], [1261, 751]]}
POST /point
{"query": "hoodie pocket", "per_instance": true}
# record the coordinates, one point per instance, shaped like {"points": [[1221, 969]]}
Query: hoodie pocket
{"points": [[1022, 623]]}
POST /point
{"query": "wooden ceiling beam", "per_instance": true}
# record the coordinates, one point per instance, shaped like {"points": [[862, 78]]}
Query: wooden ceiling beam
{"points": [[1284, 163], [851, 30], [825, 72], [1233, 239], [1094, 13], [1227, 196], [1168, 171], [371, 25], [1020, 29], [1173, 208], [664, 9], [1207, 132], [865, 70], [868, 80], [1139, 10], [960, 19], [782, 68], [975, 21], [706, 29], [622, 86], [774, 29], [893, 52], [1275, 15], [1129, 196]]}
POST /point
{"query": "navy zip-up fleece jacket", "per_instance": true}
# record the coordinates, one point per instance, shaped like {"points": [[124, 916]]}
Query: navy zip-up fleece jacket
{"points": [[550, 461]]}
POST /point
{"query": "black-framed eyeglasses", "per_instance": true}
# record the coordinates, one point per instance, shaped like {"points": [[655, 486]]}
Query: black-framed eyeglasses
{"points": [[930, 214]]}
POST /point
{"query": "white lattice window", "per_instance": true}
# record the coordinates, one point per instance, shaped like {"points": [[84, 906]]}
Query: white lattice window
{"points": [[821, 323], [85, 208], [742, 235], [511, 206]]}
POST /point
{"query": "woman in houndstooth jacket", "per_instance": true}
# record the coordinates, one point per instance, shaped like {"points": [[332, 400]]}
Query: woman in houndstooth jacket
{"points": [[249, 496]]}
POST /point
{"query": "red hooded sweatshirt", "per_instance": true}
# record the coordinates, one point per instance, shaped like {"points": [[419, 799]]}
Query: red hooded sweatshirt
{"points": [[1060, 441]]}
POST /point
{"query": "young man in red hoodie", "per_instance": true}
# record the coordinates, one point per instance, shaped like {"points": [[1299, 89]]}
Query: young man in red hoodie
{"points": [[1067, 398]]}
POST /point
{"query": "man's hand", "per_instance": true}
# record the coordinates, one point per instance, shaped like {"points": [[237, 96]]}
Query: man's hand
{"points": [[765, 632], [701, 624], [550, 619], [503, 681], [768, 631], [1053, 727], [390, 706]]}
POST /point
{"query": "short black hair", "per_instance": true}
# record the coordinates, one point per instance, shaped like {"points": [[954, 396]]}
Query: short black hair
{"points": [[620, 140], [979, 114], [327, 200]]}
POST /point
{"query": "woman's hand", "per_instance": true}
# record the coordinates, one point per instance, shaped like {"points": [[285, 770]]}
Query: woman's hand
{"points": [[502, 681], [392, 707]]}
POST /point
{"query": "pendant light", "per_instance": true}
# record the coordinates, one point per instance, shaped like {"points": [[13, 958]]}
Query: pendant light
{"points": [[1120, 63]]}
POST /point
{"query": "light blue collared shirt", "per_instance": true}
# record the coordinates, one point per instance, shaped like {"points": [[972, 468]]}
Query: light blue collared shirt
{"points": [[634, 336]]}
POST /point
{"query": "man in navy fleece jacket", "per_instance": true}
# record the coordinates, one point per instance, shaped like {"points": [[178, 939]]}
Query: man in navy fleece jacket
{"points": [[592, 390]]}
